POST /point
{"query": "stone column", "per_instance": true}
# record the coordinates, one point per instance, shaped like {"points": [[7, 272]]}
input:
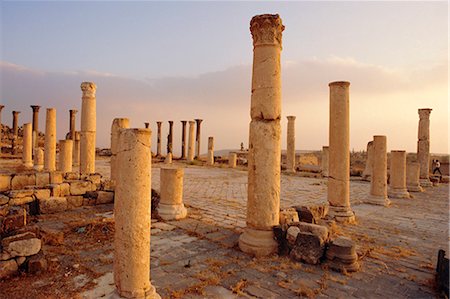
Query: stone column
{"points": [[325, 161], [65, 155], [88, 128], [339, 153], [15, 123], [170, 138], [72, 124], [76, 149], [158, 142], [290, 152], [183, 139], [168, 159], [264, 156], [397, 181], [117, 125], [147, 125], [367, 173], [171, 205], [50, 140], [1, 126], [378, 183], [35, 132], [423, 147], [132, 216], [413, 177], [210, 160], [191, 141], [27, 152], [198, 138], [38, 159], [232, 159]]}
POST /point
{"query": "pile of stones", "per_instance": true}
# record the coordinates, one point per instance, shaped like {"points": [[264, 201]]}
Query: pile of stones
{"points": [[303, 234]]}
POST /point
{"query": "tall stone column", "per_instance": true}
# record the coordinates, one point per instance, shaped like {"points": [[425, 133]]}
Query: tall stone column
{"points": [[264, 156], [1, 126], [15, 123], [325, 161], [413, 177], [183, 139], [170, 138], [423, 147], [65, 155], [117, 125], [76, 149], [378, 183], [397, 181], [171, 205], [50, 140], [367, 173], [35, 132], [339, 153], [72, 124], [132, 215], [27, 152], [190, 156], [198, 138], [290, 152], [210, 160], [158, 142], [88, 128]]}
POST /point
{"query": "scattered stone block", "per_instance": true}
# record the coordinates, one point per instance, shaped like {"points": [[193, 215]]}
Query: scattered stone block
{"points": [[65, 189], [104, 197], [42, 179], [25, 244], [4, 210], [318, 230], [80, 187], [341, 255], [52, 205], [5, 182], [308, 248], [15, 219], [288, 216], [312, 214], [74, 201], [8, 268], [3, 200], [37, 263], [56, 177], [42, 193], [19, 181]]}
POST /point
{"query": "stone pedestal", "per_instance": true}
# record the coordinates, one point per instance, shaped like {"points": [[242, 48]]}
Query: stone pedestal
{"points": [[170, 138], [397, 181], [232, 159], [413, 177], [38, 159], [171, 205], [210, 159], [88, 128], [198, 138], [367, 173], [65, 155], [378, 184], [290, 152], [27, 152], [190, 156], [423, 147], [76, 149], [325, 161], [72, 124], [132, 216], [339, 153], [263, 202], [117, 125], [183, 139], [50, 140], [158, 141]]}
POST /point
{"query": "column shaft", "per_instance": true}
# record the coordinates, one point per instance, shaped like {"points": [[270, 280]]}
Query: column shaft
{"points": [[158, 142], [378, 183], [76, 149], [413, 177], [210, 160], [423, 147], [27, 152], [170, 138], [171, 205], [183, 139], [325, 161], [117, 125], [198, 138], [72, 124], [88, 128], [15, 123], [190, 156], [65, 155], [50, 140], [397, 181], [367, 173], [232, 159]]}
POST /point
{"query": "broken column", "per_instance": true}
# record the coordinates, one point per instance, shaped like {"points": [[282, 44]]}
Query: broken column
{"points": [[171, 205], [325, 161], [158, 142], [72, 124], [117, 125], [76, 150], [264, 156], [50, 140], [88, 128], [183, 139], [368, 169], [378, 183], [413, 177], [290, 152], [65, 155], [232, 159], [35, 132], [339, 153], [170, 138], [132, 215], [423, 147], [197, 138], [191, 141], [210, 159], [38, 159], [27, 152], [397, 180]]}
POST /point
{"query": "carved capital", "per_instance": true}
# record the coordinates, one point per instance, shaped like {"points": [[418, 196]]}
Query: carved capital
{"points": [[424, 113], [88, 89], [35, 108], [291, 117], [266, 30]]}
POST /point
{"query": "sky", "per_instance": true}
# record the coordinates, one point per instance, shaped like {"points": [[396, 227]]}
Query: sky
{"points": [[161, 61]]}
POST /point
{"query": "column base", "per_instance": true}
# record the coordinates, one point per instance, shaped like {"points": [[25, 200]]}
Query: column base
{"points": [[415, 188], [425, 182], [342, 214], [28, 165], [398, 193], [257, 242], [150, 294], [378, 200], [172, 212]]}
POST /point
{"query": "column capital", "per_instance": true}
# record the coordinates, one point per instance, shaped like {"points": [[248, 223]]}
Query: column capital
{"points": [[198, 120], [88, 89], [159, 123], [73, 111], [266, 30], [170, 122], [15, 112], [191, 122], [291, 117], [35, 108], [424, 112], [184, 122]]}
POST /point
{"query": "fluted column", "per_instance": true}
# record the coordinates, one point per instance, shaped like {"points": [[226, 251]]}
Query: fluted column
{"points": [[264, 156], [183, 139], [325, 161], [72, 124], [397, 181], [117, 125], [198, 138], [190, 156], [290, 152], [378, 182], [65, 155], [35, 132], [367, 173], [88, 128], [413, 177], [423, 147], [170, 138], [158, 141], [27, 152], [50, 140], [210, 159]]}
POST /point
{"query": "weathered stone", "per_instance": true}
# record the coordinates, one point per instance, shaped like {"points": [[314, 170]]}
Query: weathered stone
{"points": [[288, 216], [8, 268], [88, 128], [74, 201], [232, 160], [52, 205], [171, 205], [191, 141], [55, 190], [20, 260], [4, 256], [20, 193], [397, 179], [5, 182], [65, 189], [37, 263], [22, 245], [291, 235], [318, 230], [117, 124], [42, 179], [65, 155], [56, 177], [42, 193], [19, 181], [50, 141], [104, 197], [52, 236], [72, 176], [341, 255], [80, 187], [312, 213], [3, 199], [367, 173], [18, 201], [413, 177], [16, 218], [308, 248], [27, 149], [378, 183], [95, 179], [108, 185]]}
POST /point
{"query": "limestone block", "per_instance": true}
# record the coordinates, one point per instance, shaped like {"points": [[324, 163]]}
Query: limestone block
{"points": [[20, 260], [341, 255], [80, 187], [104, 197], [95, 179], [55, 190], [308, 248], [108, 185], [3, 199], [52, 205], [56, 177], [20, 193], [288, 216], [42, 179], [72, 176], [317, 230], [65, 189], [8, 268], [18, 201], [5, 182], [19, 181], [42, 193], [15, 218], [312, 213], [74, 201], [291, 235], [232, 160], [22, 245], [4, 256]]}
